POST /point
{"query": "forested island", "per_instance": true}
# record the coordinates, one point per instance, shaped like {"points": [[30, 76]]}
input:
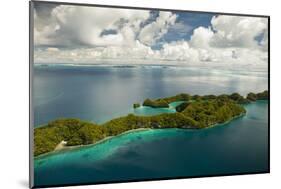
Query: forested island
{"points": [[196, 112]]}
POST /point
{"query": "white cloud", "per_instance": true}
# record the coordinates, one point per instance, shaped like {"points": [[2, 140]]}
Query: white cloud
{"points": [[179, 50], [72, 25], [92, 54], [155, 30], [237, 31], [231, 31], [201, 37], [264, 41], [228, 39]]}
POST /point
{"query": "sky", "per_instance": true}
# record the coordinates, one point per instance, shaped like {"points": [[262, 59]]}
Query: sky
{"points": [[94, 35]]}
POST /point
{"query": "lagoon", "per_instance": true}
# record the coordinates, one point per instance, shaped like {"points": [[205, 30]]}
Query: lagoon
{"points": [[240, 146], [150, 111]]}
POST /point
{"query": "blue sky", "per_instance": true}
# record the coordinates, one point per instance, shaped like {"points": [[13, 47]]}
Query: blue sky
{"points": [[190, 21], [185, 24]]}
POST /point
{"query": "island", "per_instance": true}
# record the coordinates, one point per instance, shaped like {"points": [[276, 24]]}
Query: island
{"points": [[195, 112], [136, 105], [159, 103]]}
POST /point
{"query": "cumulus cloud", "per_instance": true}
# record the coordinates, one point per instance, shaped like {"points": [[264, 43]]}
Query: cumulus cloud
{"points": [[179, 50], [201, 37], [77, 25], [155, 30], [235, 31], [76, 34], [93, 54]]}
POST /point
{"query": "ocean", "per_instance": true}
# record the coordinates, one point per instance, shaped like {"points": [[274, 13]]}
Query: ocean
{"points": [[100, 93]]}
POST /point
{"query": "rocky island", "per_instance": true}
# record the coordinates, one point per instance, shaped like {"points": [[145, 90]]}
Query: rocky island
{"points": [[195, 112]]}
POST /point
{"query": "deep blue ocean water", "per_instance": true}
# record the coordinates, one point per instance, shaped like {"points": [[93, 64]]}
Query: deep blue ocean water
{"points": [[101, 93]]}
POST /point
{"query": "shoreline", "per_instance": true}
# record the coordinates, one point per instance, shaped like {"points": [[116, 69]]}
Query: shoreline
{"points": [[226, 122], [69, 148], [44, 124], [62, 145]]}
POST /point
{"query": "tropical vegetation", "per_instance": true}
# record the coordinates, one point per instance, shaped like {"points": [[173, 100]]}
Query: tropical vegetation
{"points": [[195, 112]]}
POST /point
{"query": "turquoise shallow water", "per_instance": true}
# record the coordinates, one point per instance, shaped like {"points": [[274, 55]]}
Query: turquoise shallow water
{"points": [[148, 111], [240, 146], [175, 104]]}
